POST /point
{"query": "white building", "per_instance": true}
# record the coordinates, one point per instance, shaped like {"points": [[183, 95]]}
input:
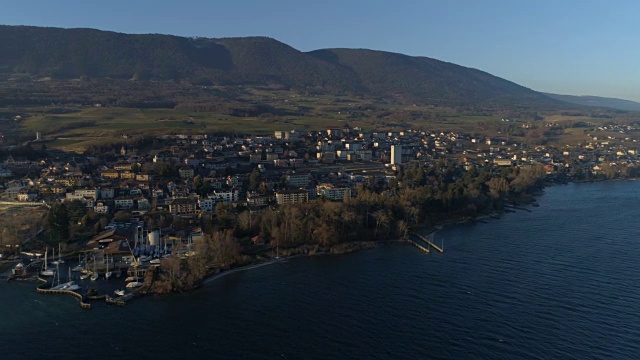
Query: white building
{"points": [[225, 197], [396, 154]]}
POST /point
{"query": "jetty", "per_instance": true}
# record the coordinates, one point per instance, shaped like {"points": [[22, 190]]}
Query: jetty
{"points": [[42, 290], [422, 248], [429, 242], [120, 301]]}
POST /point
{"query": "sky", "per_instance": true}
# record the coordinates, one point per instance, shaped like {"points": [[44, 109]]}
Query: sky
{"points": [[576, 47]]}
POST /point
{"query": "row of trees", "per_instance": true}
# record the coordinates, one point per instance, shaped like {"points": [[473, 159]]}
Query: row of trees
{"points": [[423, 196]]}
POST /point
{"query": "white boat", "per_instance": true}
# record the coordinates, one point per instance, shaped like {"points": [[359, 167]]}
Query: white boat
{"points": [[73, 287], [144, 258], [78, 267], [85, 276], [134, 284], [46, 271], [95, 275], [70, 285], [155, 261], [132, 278], [119, 292], [60, 260], [108, 274]]}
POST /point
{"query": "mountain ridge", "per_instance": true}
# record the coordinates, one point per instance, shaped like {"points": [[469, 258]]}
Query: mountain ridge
{"points": [[63, 54], [597, 101]]}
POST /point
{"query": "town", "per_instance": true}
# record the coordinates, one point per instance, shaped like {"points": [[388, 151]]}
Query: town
{"points": [[135, 205]]}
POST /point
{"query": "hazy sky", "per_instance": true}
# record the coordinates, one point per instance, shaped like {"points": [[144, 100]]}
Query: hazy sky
{"points": [[564, 46]]}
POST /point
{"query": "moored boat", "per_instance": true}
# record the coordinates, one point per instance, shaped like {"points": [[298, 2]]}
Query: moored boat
{"points": [[134, 284]]}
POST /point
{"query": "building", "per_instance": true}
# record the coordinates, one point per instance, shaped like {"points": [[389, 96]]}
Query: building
{"points": [[254, 199], [101, 208], [110, 174], [225, 197], [396, 154], [124, 203], [183, 206], [206, 204], [298, 180], [332, 192], [186, 172], [27, 196], [107, 193], [122, 166], [292, 196]]}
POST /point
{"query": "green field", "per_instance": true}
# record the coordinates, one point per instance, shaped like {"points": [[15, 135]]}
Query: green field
{"points": [[75, 129]]}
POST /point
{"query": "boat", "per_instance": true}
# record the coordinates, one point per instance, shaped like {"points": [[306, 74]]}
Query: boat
{"points": [[108, 274], [59, 286], [95, 275], [119, 292], [144, 258], [60, 259], [155, 262], [72, 287], [132, 278], [134, 284], [78, 267], [46, 271], [85, 276]]}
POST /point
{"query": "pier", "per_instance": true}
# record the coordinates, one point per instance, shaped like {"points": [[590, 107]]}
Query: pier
{"points": [[424, 249], [429, 242], [42, 290], [120, 301]]}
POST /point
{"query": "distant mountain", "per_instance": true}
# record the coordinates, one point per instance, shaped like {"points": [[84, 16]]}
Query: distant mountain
{"points": [[597, 101], [33, 53]]}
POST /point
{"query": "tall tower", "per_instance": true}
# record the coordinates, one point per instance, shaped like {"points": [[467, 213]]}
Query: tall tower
{"points": [[396, 154]]}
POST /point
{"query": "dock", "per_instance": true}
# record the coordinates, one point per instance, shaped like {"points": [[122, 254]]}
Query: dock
{"points": [[42, 290], [120, 301], [429, 242], [424, 249]]}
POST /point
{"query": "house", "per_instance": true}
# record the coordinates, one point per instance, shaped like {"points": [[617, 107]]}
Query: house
{"points": [[101, 208], [107, 193], [124, 203], [143, 177], [127, 175], [143, 203], [27, 196], [122, 166], [89, 193], [110, 174]]}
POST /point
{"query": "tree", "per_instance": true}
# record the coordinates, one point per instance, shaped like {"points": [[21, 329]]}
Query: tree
{"points": [[197, 182], [58, 221], [255, 178]]}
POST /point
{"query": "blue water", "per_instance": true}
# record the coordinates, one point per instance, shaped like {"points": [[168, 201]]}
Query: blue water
{"points": [[559, 282]]}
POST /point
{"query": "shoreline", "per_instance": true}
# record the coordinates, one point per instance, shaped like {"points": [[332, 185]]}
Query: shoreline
{"points": [[361, 245]]}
